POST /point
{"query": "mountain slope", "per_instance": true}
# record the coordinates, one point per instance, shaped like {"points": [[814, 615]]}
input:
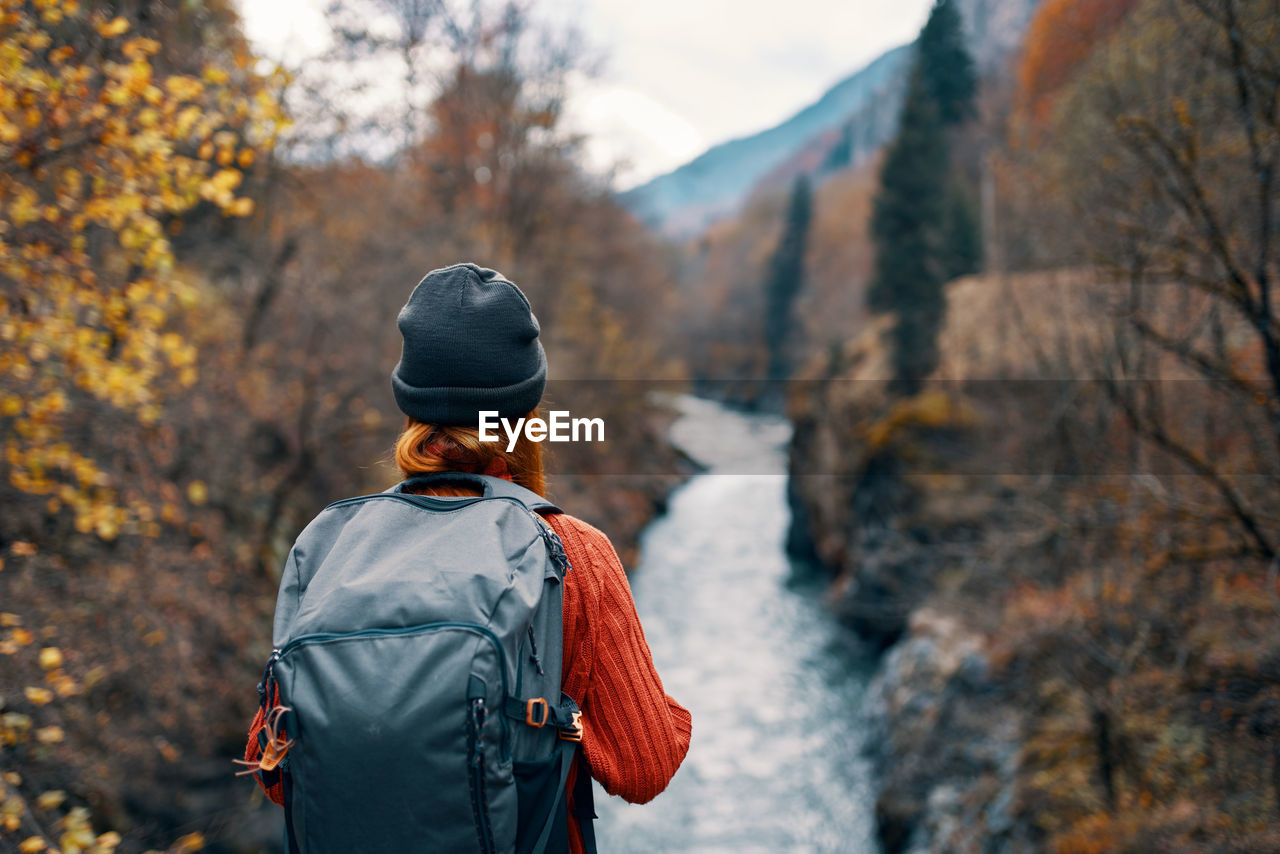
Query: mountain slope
{"points": [[713, 184], [851, 121]]}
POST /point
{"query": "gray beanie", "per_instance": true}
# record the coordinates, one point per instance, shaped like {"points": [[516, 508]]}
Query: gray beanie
{"points": [[470, 343]]}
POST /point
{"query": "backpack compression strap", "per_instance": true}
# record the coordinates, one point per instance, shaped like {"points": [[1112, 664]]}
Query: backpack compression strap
{"points": [[538, 712], [566, 718], [493, 487]]}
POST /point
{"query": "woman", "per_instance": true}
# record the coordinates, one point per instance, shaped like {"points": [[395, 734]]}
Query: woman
{"points": [[471, 344]]}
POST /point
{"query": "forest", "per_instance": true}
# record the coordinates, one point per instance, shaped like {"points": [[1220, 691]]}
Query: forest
{"points": [[1029, 347]]}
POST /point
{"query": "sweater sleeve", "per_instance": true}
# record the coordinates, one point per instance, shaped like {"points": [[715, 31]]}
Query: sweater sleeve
{"points": [[635, 736]]}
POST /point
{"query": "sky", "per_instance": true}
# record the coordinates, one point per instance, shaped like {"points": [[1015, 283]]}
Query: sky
{"points": [[675, 76]]}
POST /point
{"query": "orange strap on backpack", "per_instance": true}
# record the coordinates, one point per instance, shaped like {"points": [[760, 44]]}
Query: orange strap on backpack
{"points": [[263, 732]]}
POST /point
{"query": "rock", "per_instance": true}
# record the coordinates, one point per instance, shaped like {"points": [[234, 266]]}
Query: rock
{"points": [[945, 748]]}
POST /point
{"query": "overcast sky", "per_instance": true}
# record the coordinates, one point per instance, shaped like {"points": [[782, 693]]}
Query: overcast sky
{"points": [[678, 76]]}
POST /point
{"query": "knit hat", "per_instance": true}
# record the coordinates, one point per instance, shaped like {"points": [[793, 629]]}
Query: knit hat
{"points": [[470, 344]]}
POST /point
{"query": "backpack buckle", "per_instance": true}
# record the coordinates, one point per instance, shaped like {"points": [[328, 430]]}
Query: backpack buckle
{"points": [[530, 706], [574, 734]]}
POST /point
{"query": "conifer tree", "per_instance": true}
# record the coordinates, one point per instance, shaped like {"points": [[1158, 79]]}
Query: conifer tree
{"points": [[962, 233], [786, 273], [945, 64], [922, 224], [906, 226]]}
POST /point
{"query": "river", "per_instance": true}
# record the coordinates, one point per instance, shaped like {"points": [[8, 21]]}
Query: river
{"points": [[774, 683]]}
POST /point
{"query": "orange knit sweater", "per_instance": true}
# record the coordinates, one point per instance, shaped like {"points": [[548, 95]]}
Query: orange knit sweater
{"points": [[634, 735]]}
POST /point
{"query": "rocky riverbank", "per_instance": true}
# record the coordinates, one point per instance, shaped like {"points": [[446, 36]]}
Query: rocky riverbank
{"points": [[871, 507], [945, 744]]}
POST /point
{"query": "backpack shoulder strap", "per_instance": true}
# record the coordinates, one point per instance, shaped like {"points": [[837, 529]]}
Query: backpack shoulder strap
{"points": [[493, 487]]}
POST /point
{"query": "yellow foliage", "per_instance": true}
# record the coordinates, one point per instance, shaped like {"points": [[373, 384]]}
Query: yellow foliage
{"points": [[51, 799], [11, 814], [38, 696], [197, 492], [98, 155], [63, 684], [190, 842], [241, 207], [77, 835], [113, 28], [927, 409], [13, 727]]}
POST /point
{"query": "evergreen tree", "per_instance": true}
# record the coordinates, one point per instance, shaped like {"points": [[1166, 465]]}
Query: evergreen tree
{"points": [[962, 234], [945, 63], [906, 225], [841, 154], [786, 273], [923, 224]]}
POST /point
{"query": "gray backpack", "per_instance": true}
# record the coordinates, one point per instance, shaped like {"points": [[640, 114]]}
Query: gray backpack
{"points": [[417, 657]]}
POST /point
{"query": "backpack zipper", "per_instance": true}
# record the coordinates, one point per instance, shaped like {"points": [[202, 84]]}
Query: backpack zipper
{"points": [[428, 502], [533, 652], [268, 680], [476, 775], [555, 548], [325, 637], [476, 711]]}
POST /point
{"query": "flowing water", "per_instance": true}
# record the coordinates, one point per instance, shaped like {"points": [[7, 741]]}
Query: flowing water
{"points": [[774, 683]]}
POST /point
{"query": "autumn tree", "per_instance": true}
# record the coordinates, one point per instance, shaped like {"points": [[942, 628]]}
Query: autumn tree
{"points": [[1181, 107], [490, 175], [101, 157], [118, 127], [1156, 132], [1062, 35]]}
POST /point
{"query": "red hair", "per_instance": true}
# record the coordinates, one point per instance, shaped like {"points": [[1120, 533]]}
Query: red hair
{"points": [[424, 448]]}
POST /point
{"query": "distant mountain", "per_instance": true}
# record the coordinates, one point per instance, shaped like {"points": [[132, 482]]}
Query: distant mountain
{"points": [[857, 137], [715, 183], [850, 121]]}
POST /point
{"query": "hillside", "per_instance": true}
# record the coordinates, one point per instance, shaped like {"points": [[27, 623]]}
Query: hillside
{"points": [[1063, 538], [1074, 661], [850, 121], [712, 185]]}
